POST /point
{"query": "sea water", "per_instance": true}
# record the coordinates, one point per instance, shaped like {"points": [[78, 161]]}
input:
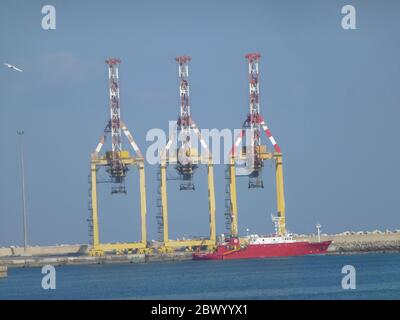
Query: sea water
{"points": [[377, 276]]}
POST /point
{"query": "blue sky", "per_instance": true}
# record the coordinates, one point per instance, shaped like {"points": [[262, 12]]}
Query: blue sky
{"points": [[330, 97]]}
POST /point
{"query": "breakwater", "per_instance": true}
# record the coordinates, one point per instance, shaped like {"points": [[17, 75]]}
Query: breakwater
{"points": [[3, 271], [359, 242], [346, 243]]}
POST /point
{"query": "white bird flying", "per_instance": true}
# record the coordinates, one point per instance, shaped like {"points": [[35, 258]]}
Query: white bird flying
{"points": [[12, 67]]}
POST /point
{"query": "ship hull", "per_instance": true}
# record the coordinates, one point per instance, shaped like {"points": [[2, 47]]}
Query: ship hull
{"points": [[254, 251]]}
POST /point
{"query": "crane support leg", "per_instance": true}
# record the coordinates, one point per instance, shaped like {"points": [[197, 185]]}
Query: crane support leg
{"points": [[95, 218], [280, 196], [234, 212], [211, 201], [164, 202], [143, 208]]}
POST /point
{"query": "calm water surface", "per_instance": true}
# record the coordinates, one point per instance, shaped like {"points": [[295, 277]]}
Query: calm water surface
{"points": [[309, 277]]}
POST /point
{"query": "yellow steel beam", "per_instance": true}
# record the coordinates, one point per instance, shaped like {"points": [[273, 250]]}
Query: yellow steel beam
{"points": [[194, 158], [120, 246], [164, 201], [143, 207], [211, 201], [266, 156], [280, 196], [232, 186], [104, 161], [95, 219], [188, 243], [262, 155], [167, 243], [99, 248]]}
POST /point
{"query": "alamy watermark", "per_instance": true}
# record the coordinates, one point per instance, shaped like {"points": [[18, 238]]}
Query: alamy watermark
{"points": [[49, 280], [49, 20], [349, 280], [214, 144], [349, 18]]}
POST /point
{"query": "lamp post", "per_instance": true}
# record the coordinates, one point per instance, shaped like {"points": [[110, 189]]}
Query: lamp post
{"points": [[21, 134], [318, 226]]}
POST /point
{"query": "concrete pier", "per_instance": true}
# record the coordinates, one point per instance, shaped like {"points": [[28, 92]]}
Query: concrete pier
{"points": [[3, 271], [175, 256], [39, 261], [345, 243], [358, 242], [71, 249]]}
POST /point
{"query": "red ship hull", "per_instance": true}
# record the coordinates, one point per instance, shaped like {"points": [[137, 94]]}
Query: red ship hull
{"points": [[252, 251]]}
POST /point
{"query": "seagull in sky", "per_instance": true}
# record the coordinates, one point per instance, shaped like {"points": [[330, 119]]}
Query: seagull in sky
{"points": [[12, 67]]}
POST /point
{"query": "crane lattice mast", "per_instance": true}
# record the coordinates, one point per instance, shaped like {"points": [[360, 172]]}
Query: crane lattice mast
{"points": [[184, 121], [185, 157], [253, 155], [117, 169], [252, 123], [116, 163], [185, 125]]}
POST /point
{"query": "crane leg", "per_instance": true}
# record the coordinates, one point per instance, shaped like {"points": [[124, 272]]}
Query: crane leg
{"points": [[234, 212], [211, 201], [143, 208], [280, 196], [164, 202], [95, 220]]}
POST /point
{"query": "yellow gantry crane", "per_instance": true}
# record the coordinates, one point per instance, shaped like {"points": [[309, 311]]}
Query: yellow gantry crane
{"points": [[249, 161], [117, 163], [185, 159]]}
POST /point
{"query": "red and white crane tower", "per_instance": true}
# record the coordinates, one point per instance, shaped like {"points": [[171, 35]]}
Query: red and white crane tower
{"points": [[249, 161], [185, 165], [117, 169], [186, 158], [116, 163]]}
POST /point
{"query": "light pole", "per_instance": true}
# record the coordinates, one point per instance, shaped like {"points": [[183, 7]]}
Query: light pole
{"points": [[21, 133], [318, 226]]}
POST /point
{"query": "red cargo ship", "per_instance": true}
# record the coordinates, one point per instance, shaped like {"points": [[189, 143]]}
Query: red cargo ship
{"points": [[264, 247]]}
